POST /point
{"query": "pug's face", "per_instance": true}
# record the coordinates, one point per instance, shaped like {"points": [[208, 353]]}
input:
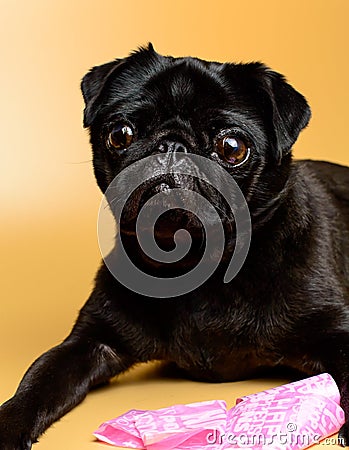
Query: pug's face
{"points": [[243, 117]]}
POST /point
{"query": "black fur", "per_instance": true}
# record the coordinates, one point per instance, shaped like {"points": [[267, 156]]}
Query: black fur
{"points": [[289, 304]]}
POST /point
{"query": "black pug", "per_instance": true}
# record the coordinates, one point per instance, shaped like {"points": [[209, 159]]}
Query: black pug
{"points": [[288, 305]]}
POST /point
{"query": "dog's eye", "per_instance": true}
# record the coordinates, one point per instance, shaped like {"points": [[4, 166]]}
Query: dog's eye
{"points": [[232, 150], [120, 137]]}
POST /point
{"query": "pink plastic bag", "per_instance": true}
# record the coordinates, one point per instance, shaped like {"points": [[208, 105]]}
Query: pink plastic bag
{"points": [[121, 431], [290, 417], [182, 426]]}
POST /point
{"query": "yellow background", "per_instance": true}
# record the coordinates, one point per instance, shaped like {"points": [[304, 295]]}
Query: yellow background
{"points": [[49, 199]]}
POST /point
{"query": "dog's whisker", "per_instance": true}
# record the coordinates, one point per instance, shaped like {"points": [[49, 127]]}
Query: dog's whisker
{"points": [[80, 162]]}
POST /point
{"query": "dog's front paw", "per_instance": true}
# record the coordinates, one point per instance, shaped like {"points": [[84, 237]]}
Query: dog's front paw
{"points": [[14, 441], [12, 428], [343, 435]]}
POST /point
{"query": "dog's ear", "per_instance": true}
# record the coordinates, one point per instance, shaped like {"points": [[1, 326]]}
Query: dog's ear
{"points": [[288, 109], [93, 86], [95, 83], [284, 110]]}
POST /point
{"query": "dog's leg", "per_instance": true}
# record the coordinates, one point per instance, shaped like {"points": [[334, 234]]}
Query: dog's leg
{"points": [[53, 385]]}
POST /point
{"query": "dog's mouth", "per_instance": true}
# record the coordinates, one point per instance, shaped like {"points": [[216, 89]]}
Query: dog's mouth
{"points": [[162, 209], [161, 215]]}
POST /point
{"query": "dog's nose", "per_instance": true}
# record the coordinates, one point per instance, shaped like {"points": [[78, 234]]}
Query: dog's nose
{"points": [[172, 146]]}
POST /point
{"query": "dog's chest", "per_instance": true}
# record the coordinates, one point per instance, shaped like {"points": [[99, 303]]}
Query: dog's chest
{"points": [[216, 344]]}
